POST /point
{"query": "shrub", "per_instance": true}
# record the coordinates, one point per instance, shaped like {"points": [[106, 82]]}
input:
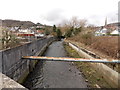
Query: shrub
{"points": [[87, 38]]}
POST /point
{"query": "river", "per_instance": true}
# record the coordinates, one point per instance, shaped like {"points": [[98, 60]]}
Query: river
{"points": [[55, 74]]}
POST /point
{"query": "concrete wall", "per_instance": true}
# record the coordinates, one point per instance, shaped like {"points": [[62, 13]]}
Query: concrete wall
{"points": [[9, 83], [0, 37], [17, 68], [111, 76], [1, 70]]}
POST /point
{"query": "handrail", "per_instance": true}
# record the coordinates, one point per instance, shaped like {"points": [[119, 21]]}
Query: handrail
{"points": [[70, 59]]}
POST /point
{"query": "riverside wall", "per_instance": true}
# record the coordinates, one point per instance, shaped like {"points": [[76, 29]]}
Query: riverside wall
{"points": [[17, 68], [111, 76]]}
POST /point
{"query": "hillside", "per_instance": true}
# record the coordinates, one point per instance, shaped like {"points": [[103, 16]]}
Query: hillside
{"points": [[12, 23], [115, 24]]}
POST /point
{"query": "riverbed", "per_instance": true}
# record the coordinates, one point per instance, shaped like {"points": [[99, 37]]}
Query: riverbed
{"points": [[55, 74]]}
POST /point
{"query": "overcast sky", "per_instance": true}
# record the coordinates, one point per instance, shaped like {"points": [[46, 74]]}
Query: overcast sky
{"points": [[54, 11]]}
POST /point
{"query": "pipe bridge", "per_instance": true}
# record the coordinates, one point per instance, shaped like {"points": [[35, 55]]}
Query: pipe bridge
{"points": [[70, 59]]}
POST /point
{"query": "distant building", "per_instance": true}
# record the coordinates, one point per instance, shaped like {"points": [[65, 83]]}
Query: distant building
{"points": [[115, 32], [101, 32], [26, 34], [40, 33], [108, 29], [26, 31], [14, 28], [39, 26]]}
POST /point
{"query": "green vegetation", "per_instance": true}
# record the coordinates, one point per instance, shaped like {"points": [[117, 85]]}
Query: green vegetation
{"points": [[69, 32], [47, 32], [77, 30], [73, 32], [73, 27], [87, 38], [54, 28], [59, 33]]}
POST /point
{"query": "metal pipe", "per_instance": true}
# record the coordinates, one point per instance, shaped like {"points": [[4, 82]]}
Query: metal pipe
{"points": [[70, 59]]}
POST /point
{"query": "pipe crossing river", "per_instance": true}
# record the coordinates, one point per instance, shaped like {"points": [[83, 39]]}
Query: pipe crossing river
{"points": [[70, 59], [52, 74]]}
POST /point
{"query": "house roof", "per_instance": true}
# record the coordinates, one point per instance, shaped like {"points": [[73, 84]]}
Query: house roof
{"points": [[26, 35], [103, 31], [40, 31], [115, 32]]}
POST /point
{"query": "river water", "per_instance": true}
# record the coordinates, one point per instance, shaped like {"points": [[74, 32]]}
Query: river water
{"points": [[55, 74]]}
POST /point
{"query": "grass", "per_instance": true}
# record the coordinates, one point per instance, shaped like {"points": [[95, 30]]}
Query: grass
{"points": [[92, 77], [100, 49], [107, 45]]}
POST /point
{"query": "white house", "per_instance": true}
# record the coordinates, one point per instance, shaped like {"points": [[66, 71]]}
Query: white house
{"points": [[39, 35], [101, 32], [15, 28], [115, 32], [97, 33], [27, 31]]}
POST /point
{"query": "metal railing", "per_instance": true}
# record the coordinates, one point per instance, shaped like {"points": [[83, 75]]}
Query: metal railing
{"points": [[70, 59]]}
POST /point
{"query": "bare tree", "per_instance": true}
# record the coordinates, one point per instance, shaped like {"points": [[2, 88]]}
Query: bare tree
{"points": [[8, 38], [74, 23], [82, 22]]}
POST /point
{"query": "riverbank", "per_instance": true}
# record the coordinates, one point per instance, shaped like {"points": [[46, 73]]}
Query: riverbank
{"points": [[99, 54], [104, 46], [92, 77]]}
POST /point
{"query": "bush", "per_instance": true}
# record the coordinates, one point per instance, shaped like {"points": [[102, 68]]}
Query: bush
{"points": [[68, 33], [59, 33], [77, 30], [47, 32], [87, 38]]}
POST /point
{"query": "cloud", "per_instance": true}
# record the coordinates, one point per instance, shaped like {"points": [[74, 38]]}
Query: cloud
{"points": [[54, 16], [55, 11]]}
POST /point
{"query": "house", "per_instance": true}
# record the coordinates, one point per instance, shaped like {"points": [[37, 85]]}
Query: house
{"points": [[40, 33], [26, 34], [97, 33], [101, 32], [104, 31], [39, 26], [13, 29], [115, 32], [26, 31]]}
